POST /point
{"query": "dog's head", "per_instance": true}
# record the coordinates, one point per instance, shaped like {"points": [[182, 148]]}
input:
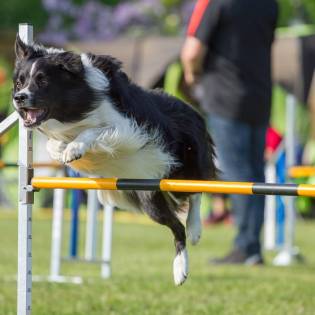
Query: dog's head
{"points": [[50, 84]]}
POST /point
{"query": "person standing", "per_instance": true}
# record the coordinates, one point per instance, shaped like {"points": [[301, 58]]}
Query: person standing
{"points": [[227, 51]]}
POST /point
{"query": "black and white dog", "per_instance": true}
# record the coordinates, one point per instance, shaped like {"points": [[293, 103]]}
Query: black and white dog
{"points": [[100, 123]]}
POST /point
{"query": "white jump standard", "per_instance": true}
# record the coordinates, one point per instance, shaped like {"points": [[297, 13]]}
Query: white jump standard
{"points": [[26, 199]]}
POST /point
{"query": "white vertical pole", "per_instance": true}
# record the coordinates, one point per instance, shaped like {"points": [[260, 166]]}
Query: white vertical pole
{"points": [[91, 225], [270, 211], [56, 237], [107, 241], [24, 278], [290, 149], [287, 255]]}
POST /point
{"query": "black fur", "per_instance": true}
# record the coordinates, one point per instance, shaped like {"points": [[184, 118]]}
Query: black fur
{"points": [[67, 97], [183, 129]]}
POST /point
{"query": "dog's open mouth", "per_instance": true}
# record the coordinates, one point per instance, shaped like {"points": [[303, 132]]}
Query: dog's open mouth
{"points": [[33, 116]]}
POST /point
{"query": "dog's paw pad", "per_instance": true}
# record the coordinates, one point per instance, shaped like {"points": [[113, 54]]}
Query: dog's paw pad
{"points": [[74, 151], [180, 267]]}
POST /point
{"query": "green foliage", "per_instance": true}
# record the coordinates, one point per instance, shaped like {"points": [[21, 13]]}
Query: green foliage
{"points": [[5, 86], [310, 9], [13, 12], [9, 140], [290, 11], [286, 12], [78, 2], [171, 3], [110, 2]]}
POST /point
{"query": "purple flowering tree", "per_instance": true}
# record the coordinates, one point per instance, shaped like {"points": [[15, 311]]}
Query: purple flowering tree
{"points": [[94, 20]]}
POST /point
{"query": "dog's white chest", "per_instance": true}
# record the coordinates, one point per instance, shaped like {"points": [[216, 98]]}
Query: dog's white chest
{"points": [[113, 146], [149, 162]]}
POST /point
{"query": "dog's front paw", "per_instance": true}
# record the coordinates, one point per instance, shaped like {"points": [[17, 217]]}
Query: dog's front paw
{"points": [[55, 149], [180, 267], [73, 151]]}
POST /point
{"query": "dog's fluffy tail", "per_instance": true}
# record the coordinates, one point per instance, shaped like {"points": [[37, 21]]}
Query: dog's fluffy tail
{"points": [[199, 152]]}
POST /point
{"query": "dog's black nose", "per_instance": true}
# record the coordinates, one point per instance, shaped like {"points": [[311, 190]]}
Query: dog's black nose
{"points": [[20, 97]]}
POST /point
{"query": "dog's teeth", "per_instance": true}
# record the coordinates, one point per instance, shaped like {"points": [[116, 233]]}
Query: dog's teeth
{"points": [[31, 115]]}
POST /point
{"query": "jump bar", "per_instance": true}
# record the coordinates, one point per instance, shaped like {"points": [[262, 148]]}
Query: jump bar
{"points": [[35, 165], [301, 171], [173, 185]]}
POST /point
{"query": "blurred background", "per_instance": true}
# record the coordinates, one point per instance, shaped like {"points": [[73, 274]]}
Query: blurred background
{"points": [[147, 36]]}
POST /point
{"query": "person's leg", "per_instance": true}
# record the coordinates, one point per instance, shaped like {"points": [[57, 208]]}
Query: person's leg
{"points": [[233, 148], [256, 214]]}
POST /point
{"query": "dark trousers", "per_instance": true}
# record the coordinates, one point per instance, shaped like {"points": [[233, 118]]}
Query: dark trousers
{"points": [[240, 154]]}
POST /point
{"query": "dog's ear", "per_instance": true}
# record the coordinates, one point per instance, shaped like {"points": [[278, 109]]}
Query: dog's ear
{"points": [[70, 62], [22, 50], [108, 64]]}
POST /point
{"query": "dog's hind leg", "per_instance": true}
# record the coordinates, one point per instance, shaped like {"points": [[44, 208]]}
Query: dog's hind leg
{"points": [[193, 222], [159, 210]]}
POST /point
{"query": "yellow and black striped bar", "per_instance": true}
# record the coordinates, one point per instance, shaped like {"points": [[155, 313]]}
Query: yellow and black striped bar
{"points": [[173, 185], [301, 171], [4, 165], [35, 165]]}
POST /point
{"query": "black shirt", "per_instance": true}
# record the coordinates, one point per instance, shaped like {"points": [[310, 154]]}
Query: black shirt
{"points": [[239, 35]]}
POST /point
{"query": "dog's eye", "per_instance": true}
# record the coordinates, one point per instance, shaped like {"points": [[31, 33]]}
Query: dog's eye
{"points": [[40, 80], [18, 84]]}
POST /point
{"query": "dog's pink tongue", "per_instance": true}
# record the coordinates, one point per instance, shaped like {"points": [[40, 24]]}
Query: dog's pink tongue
{"points": [[32, 114]]}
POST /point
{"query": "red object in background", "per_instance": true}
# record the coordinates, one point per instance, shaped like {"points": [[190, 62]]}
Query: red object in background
{"points": [[273, 139], [199, 10], [2, 76]]}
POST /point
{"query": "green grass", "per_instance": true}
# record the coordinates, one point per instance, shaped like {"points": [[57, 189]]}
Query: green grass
{"points": [[142, 281]]}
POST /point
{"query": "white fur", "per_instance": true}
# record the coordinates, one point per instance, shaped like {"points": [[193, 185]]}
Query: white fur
{"points": [[32, 70], [193, 223], [50, 50], [107, 144], [74, 151], [180, 267], [114, 198], [94, 76], [114, 145], [26, 89], [55, 149]]}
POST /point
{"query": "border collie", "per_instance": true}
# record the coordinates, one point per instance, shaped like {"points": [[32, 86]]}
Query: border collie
{"points": [[100, 123]]}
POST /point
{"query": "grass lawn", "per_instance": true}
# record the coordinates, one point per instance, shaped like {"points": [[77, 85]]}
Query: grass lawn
{"points": [[142, 281]]}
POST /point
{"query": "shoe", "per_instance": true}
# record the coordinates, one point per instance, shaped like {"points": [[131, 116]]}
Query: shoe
{"points": [[254, 260], [238, 257]]}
